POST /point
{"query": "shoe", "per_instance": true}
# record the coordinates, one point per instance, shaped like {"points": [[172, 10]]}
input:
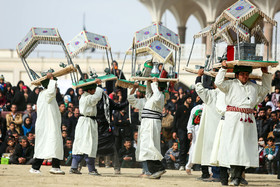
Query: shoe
{"points": [[107, 166], [144, 176], [211, 179], [189, 171], [235, 182], [45, 162], [243, 182], [94, 172], [182, 168], [49, 163], [224, 183], [74, 171], [157, 175], [34, 171], [117, 171], [80, 167], [57, 171]]}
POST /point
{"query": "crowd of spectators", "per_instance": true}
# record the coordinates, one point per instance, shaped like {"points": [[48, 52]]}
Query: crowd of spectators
{"points": [[18, 117]]}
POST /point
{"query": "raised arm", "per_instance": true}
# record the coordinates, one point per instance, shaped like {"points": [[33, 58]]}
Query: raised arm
{"points": [[205, 94], [264, 89], [219, 81]]}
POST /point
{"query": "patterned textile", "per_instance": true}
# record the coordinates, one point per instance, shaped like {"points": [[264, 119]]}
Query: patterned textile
{"points": [[158, 32], [85, 40], [242, 110], [37, 36]]}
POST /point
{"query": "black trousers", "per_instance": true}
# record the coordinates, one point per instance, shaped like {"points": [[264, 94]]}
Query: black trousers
{"points": [[184, 146], [38, 162], [205, 172], [236, 171], [224, 174], [155, 166]]}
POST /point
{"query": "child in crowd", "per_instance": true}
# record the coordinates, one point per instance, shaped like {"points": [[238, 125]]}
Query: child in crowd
{"points": [[11, 146], [172, 157], [127, 155], [11, 129], [64, 136], [275, 96], [270, 153]]}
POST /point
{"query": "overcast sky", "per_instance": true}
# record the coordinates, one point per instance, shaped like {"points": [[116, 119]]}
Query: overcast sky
{"points": [[117, 19]]}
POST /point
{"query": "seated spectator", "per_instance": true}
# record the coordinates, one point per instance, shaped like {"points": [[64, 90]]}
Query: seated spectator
{"points": [[23, 152], [4, 145], [11, 146], [270, 153], [12, 129], [26, 126], [28, 111], [68, 152], [30, 138], [172, 157], [15, 117], [15, 134], [127, 155]]}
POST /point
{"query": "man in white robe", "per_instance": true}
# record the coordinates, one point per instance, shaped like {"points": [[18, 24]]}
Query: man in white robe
{"points": [[239, 133], [208, 127], [48, 142], [86, 134], [148, 145], [139, 104]]}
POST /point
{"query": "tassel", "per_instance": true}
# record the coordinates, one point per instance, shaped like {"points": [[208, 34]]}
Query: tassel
{"points": [[245, 120], [241, 119]]}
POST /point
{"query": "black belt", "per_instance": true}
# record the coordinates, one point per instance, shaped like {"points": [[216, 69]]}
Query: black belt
{"points": [[146, 113], [91, 117]]}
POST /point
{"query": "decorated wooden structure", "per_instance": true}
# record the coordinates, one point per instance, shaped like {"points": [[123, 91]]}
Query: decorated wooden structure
{"points": [[236, 26], [163, 45], [88, 40], [38, 36]]}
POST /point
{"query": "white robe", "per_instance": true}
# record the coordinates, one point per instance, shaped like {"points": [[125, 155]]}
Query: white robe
{"points": [[86, 134], [48, 141], [221, 109], [193, 129], [208, 125], [240, 140], [148, 144]]}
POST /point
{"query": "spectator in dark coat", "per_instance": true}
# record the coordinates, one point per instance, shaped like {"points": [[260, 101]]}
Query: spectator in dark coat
{"points": [[33, 96], [19, 98], [72, 123], [127, 155], [23, 152], [262, 125], [180, 129]]}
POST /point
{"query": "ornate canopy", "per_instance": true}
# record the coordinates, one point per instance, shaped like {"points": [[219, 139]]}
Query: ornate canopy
{"points": [[85, 40], [37, 36], [157, 31], [158, 50]]}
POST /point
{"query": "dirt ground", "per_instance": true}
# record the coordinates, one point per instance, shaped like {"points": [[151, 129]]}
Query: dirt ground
{"points": [[14, 175]]}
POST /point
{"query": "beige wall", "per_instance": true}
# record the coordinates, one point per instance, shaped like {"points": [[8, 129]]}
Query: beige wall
{"points": [[13, 70]]}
